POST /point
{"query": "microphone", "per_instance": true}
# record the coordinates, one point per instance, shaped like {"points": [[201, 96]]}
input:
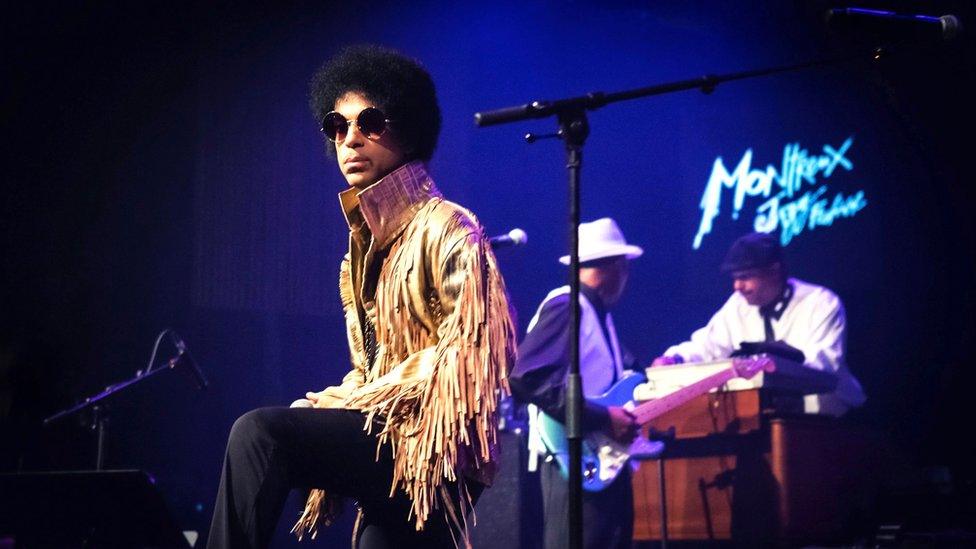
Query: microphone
{"points": [[947, 27], [185, 358], [515, 237]]}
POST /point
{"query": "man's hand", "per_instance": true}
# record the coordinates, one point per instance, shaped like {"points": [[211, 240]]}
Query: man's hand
{"points": [[667, 360], [321, 399], [623, 425]]}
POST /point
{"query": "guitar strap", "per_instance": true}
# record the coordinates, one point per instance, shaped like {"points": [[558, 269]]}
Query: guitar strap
{"points": [[618, 362]]}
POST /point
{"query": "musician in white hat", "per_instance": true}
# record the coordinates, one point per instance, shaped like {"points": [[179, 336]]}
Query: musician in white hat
{"points": [[540, 372]]}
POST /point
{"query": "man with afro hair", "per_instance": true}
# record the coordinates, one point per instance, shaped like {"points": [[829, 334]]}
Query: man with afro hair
{"points": [[410, 432]]}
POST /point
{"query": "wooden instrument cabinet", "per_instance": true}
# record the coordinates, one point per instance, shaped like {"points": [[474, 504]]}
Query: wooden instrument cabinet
{"points": [[737, 472]]}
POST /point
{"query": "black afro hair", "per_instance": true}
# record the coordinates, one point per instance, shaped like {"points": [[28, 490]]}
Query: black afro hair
{"points": [[395, 83]]}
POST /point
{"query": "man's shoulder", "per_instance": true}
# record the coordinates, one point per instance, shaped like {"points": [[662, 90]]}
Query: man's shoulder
{"points": [[818, 298], [561, 295], [553, 310], [442, 215], [447, 211], [557, 297], [803, 289], [557, 301]]}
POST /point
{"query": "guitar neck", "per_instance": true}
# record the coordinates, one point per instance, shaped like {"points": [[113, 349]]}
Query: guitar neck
{"points": [[649, 410]]}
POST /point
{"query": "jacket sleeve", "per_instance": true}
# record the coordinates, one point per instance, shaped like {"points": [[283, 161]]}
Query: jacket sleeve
{"points": [[711, 342], [540, 371], [334, 396], [824, 347]]}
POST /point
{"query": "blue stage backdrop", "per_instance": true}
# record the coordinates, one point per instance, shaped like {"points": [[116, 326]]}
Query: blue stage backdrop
{"points": [[210, 204]]}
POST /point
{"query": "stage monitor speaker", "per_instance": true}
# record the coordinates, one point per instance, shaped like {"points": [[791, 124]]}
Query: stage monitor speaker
{"points": [[112, 509], [509, 514]]}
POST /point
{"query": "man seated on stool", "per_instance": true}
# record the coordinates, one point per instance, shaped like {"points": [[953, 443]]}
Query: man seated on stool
{"points": [[769, 307]]}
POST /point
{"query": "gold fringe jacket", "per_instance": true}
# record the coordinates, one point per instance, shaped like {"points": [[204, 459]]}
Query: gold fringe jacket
{"points": [[445, 339]]}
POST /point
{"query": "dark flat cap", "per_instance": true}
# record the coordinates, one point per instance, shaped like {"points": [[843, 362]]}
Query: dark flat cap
{"points": [[752, 251]]}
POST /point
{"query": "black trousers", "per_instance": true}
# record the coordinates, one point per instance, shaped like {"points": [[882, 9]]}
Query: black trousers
{"points": [[608, 515], [273, 450]]}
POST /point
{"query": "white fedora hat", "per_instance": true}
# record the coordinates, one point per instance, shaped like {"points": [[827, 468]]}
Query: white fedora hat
{"points": [[602, 238]]}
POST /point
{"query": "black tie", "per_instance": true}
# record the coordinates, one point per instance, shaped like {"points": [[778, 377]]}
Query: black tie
{"points": [[773, 311]]}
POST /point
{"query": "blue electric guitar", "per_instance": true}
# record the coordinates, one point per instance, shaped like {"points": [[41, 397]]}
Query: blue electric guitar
{"points": [[604, 457]]}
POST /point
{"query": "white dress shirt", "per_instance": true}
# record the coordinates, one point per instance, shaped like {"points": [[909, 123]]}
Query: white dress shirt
{"points": [[813, 322]]}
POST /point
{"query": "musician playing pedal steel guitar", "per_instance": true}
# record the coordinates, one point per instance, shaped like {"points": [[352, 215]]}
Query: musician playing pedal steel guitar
{"points": [[540, 372], [410, 433], [768, 307]]}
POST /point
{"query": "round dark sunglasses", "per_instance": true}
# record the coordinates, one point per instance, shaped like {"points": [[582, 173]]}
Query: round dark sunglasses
{"points": [[371, 122]]}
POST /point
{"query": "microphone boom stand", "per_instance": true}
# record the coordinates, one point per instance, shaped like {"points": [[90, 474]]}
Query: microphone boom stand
{"points": [[99, 409]]}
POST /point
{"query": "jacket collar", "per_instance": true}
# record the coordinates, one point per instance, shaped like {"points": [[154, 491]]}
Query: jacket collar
{"points": [[385, 207]]}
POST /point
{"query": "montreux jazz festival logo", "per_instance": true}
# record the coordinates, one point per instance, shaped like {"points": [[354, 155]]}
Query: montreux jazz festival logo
{"points": [[794, 198]]}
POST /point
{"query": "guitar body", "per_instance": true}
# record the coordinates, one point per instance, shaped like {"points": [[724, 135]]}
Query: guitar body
{"points": [[603, 457], [620, 393]]}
